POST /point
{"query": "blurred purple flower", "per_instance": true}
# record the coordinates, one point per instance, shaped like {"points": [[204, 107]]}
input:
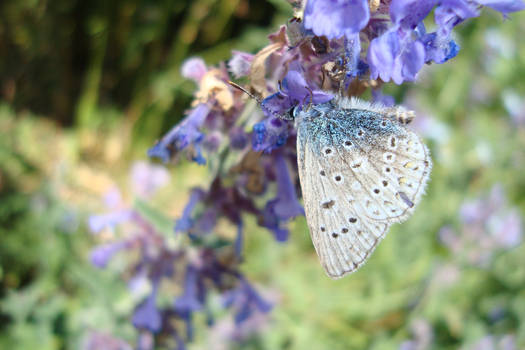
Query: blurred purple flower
{"points": [[184, 134], [147, 178], [186, 222], [146, 315], [286, 205], [488, 225], [246, 301], [240, 64], [101, 255], [336, 18], [385, 100], [188, 302], [194, 68], [98, 223]]}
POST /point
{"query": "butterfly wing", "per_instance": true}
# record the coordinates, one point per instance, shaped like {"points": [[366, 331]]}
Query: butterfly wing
{"points": [[342, 239], [359, 173]]}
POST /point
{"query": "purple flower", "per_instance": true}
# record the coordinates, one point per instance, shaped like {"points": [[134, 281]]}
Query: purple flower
{"points": [[503, 6], [184, 134], [286, 205], [97, 223], [385, 100], [407, 14], [147, 315], [188, 302], [194, 68], [450, 13], [438, 48], [269, 134], [147, 178], [185, 222], [336, 18], [246, 301], [101, 255], [395, 55], [295, 92], [240, 64], [238, 138]]}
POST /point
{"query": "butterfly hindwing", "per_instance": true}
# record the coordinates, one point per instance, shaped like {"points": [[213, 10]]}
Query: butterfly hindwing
{"points": [[360, 170], [342, 238]]}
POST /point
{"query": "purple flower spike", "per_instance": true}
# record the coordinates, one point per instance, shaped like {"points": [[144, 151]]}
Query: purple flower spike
{"points": [[147, 315], [147, 178], [101, 255], [181, 136], [336, 18]]}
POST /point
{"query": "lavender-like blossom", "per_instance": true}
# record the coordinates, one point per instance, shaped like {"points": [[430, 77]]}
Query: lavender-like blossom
{"points": [[336, 18], [488, 225]]}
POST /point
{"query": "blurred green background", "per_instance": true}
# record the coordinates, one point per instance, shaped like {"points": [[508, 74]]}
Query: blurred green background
{"points": [[86, 88]]}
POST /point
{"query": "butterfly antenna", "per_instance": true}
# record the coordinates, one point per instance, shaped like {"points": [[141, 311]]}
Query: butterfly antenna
{"points": [[237, 86]]}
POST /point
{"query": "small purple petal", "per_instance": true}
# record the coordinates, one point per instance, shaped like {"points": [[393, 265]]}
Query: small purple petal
{"points": [[97, 223], [101, 255], [385, 100], [147, 315], [450, 13], [295, 92], [507, 230], [238, 138], [269, 134], [189, 302], [185, 222], [409, 13], [147, 178], [287, 205], [336, 18], [194, 68], [239, 240], [240, 64], [503, 6]]}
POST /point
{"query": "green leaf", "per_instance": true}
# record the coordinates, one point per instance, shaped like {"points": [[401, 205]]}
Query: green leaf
{"points": [[161, 222]]}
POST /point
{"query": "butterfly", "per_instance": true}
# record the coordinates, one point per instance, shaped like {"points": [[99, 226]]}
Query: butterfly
{"points": [[361, 170]]}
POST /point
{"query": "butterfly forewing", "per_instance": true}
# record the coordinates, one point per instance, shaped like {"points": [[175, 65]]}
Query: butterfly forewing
{"points": [[360, 171]]}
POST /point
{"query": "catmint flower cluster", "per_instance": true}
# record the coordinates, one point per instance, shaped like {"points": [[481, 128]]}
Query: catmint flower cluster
{"points": [[488, 225], [347, 47]]}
